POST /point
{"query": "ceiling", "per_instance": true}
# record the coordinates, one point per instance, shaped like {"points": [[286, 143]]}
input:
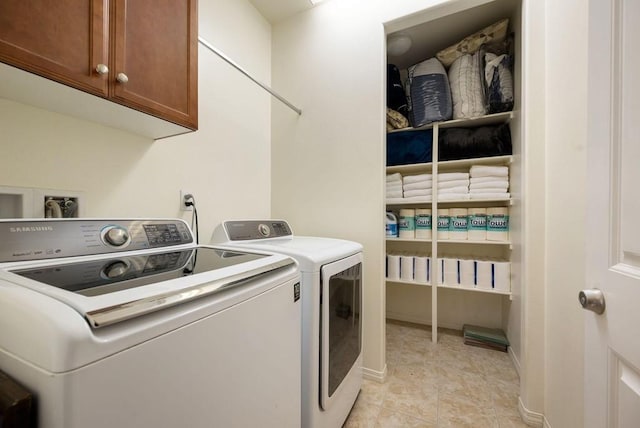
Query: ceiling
{"points": [[278, 10]]}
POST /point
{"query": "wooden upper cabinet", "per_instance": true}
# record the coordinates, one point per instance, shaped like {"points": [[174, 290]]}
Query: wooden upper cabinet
{"points": [[155, 61], [139, 53], [63, 40]]}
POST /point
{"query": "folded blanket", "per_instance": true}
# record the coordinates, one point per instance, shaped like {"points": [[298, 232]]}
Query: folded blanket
{"points": [[415, 178], [453, 183], [502, 184], [394, 188], [413, 193], [490, 195], [485, 171], [461, 189], [489, 190], [394, 177], [488, 178], [427, 184], [453, 196], [394, 194], [450, 176]]}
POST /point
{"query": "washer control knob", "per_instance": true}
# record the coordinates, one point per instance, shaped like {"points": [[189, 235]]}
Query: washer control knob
{"points": [[264, 230], [116, 236], [115, 269]]}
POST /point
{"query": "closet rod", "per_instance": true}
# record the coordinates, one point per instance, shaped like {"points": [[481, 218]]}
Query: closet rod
{"points": [[208, 45]]}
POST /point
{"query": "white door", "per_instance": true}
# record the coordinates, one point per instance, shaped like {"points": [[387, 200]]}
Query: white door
{"points": [[612, 340]]}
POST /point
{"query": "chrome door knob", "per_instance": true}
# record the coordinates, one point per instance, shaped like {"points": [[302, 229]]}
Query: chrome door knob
{"points": [[592, 300], [122, 78], [102, 69]]}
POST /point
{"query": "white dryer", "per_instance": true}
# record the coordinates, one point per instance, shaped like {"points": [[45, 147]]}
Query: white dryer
{"points": [[129, 323], [331, 288]]}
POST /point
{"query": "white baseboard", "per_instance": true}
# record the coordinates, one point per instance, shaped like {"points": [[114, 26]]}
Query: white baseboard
{"points": [[375, 375], [530, 418], [515, 361]]}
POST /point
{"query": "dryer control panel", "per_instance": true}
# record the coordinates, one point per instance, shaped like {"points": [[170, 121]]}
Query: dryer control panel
{"points": [[32, 239], [244, 230]]}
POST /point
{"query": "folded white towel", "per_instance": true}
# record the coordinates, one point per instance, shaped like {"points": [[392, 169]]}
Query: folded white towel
{"points": [[485, 171], [460, 189], [490, 184], [395, 194], [453, 197], [490, 195], [420, 192], [418, 185], [450, 176], [488, 178], [489, 190], [415, 178], [393, 187], [453, 183], [394, 177]]}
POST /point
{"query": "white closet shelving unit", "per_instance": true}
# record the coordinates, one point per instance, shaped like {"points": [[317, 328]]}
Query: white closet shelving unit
{"points": [[435, 248]]}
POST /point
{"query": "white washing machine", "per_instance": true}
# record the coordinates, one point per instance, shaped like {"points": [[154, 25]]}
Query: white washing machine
{"points": [[129, 323], [331, 291]]}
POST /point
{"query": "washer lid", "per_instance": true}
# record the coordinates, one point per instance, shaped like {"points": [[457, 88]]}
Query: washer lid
{"points": [[107, 290]]}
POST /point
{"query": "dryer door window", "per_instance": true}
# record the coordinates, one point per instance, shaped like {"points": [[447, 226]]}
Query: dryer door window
{"points": [[341, 323]]}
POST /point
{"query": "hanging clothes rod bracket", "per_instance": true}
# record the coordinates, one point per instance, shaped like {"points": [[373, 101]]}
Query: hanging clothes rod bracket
{"points": [[228, 60]]}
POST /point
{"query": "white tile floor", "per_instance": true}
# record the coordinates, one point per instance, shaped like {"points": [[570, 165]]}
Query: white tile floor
{"points": [[443, 385]]}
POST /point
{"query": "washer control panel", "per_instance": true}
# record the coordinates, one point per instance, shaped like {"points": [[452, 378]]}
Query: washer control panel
{"points": [[46, 239], [244, 230]]}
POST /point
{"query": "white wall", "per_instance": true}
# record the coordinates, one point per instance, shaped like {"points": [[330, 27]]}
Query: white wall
{"points": [[226, 164], [566, 124]]}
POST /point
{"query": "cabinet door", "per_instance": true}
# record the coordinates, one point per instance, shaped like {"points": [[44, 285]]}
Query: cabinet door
{"points": [[63, 40], [155, 43]]}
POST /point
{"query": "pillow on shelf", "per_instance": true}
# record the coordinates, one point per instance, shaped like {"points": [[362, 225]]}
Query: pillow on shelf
{"points": [[467, 92], [430, 95], [470, 44]]}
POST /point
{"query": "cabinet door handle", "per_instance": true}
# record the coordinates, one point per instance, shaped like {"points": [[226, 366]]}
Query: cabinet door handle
{"points": [[122, 78], [102, 69]]}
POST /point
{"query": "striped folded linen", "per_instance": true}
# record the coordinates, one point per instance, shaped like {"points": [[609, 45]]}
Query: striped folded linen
{"points": [[416, 178], [395, 194], [485, 171]]}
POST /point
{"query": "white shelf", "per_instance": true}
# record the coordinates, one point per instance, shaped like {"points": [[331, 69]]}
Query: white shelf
{"points": [[451, 241], [491, 160], [400, 202], [490, 119], [477, 290]]}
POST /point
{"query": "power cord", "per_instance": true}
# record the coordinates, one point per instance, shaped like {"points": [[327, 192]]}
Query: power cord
{"points": [[190, 201]]}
